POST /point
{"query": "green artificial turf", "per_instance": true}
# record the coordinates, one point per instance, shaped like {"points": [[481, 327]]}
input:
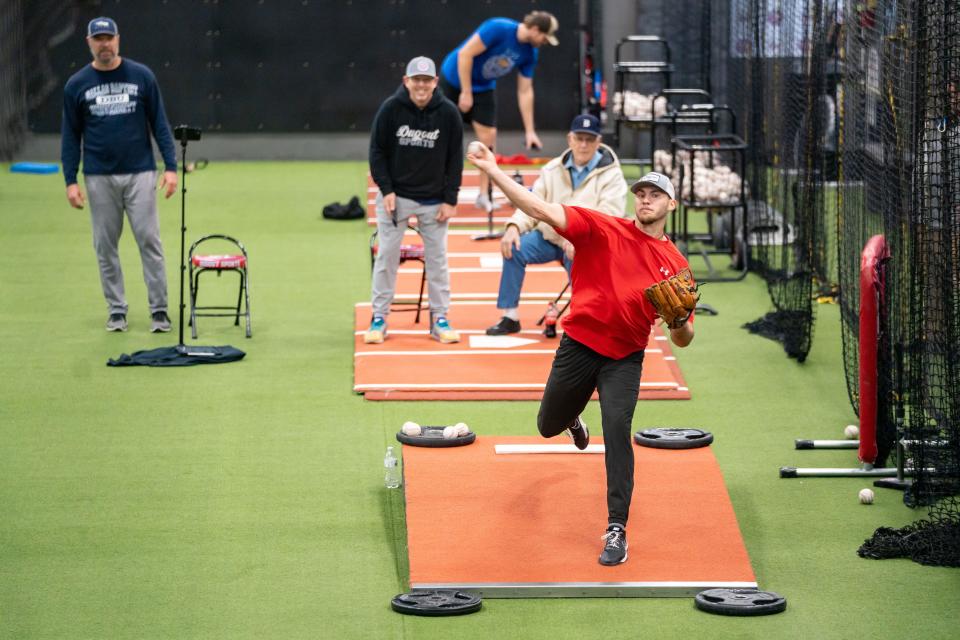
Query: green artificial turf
{"points": [[246, 500]]}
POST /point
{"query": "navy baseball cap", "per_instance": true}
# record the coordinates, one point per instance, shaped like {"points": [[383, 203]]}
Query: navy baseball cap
{"points": [[100, 26], [585, 123]]}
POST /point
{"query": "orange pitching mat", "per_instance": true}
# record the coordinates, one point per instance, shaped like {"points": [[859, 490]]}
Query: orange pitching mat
{"points": [[409, 365], [528, 525], [467, 212]]}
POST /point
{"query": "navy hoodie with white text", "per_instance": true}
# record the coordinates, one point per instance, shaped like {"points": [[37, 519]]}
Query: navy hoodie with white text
{"points": [[417, 153]]}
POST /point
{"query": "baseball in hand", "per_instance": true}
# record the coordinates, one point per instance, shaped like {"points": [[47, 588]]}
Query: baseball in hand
{"points": [[475, 148]]}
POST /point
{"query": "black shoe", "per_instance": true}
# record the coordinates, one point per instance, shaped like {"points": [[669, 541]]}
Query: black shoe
{"points": [[505, 326], [579, 433], [615, 546]]}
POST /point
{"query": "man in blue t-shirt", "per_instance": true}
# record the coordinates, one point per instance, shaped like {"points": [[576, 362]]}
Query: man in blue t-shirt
{"points": [[469, 76], [111, 108]]}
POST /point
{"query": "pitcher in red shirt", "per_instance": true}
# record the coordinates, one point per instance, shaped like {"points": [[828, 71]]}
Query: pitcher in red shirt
{"points": [[608, 326]]}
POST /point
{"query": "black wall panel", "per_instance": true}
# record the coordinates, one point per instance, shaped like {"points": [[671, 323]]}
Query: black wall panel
{"points": [[306, 65]]}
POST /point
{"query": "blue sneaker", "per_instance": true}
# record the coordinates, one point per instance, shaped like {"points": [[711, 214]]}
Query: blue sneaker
{"points": [[442, 331], [377, 332]]}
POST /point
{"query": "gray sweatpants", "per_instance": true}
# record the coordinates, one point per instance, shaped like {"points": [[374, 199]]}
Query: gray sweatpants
{"points": [[390, 238], [110, 197]]}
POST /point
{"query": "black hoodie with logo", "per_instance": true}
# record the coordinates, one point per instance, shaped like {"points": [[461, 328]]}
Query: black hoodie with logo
{"points": [[417, 153]]}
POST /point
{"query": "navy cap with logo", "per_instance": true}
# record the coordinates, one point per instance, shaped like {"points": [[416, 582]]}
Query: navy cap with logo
{"points": [[585, 123], [657, 180], [101, 25]]}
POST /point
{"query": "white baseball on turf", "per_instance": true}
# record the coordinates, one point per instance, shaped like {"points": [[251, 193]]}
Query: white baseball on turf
{"points": [[475, 147], [411, 429], [852, 432], [450, 432], [462, 429], [866, 496]]}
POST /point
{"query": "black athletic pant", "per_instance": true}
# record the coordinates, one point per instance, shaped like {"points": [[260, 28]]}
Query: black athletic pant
{"points": [[578, 370]]}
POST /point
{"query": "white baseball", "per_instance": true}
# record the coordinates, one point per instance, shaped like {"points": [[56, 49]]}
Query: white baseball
{"points": [[411, 429], [852, 432], [450, 432], [475, 148], [866, 496], [462, 429]]}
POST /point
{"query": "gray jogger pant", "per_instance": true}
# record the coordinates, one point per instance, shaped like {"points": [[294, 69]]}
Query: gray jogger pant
{"points": [[390, 238], [110, 196]]}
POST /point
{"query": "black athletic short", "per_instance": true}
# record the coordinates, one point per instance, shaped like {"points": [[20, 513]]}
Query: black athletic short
{"points": [[484, 109]]}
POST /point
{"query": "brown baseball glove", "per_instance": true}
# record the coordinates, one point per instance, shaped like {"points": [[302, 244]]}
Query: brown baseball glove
{"points": [[674, 298]]}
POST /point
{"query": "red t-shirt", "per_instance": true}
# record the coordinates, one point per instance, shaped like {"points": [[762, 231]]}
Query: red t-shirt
{"points": [[614, 262]]}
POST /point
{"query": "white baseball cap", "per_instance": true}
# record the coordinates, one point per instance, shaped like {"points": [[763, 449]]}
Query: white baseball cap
{"points": [[659, 181]]}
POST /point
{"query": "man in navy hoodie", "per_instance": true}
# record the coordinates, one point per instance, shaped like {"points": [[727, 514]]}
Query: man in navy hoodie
{"points": [[416, 159], [111, 108]]}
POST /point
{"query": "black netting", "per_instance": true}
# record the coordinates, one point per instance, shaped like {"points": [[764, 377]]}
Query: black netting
{"points": [[932, 541], [900, 176], [782, 75], [13, 96], [28, 32]]}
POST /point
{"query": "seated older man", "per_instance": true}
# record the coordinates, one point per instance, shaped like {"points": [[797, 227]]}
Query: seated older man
{"points": [[588, 175]]}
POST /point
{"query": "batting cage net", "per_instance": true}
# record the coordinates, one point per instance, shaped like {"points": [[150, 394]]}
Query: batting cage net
{"points": [[29, 31], [900, 177], [782, 74], [13, 88]]}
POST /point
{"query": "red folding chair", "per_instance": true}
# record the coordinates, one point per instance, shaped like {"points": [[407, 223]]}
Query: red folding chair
{"points": [[219, 263]]}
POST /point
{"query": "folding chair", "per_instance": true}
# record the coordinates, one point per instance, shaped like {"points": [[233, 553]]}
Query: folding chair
{"points": [[407, 252], [219, 263]]}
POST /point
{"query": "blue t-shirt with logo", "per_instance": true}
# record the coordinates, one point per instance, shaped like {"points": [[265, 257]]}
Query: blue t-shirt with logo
{"points": [[503, 54]]}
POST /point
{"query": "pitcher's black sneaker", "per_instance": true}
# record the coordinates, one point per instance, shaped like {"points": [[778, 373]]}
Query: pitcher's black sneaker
{"points": [[160, 322], [615, 546], [505, 326], [579, 434]]}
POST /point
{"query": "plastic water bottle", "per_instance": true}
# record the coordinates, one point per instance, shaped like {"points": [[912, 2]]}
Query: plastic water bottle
{"points": [[550, 321], [391, 476]]}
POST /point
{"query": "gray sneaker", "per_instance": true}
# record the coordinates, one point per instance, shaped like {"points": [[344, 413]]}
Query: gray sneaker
{"points": [[160, 322], [117, 322], [614, 546]]}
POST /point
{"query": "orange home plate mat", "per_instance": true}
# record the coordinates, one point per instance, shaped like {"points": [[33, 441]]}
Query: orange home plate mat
{"points": [[409, 365], [529, 524]]}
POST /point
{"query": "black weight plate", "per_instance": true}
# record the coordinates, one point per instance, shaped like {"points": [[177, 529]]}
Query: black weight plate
{"points": [[437, 602], [740, 602], [433, 437], [673, 438]]}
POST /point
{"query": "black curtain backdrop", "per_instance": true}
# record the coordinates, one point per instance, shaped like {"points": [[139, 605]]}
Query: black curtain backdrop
{"points": [[288, 66]]}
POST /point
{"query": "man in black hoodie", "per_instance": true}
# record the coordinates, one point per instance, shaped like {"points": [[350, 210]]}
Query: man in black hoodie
{"points": [[416, 159]]}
